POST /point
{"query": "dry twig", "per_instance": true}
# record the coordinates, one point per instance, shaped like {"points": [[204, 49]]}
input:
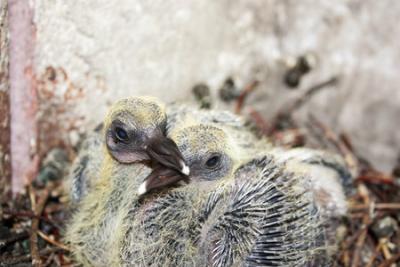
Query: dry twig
{"points": [[37, 209], [374, 255], [262, 125], [52, 241], [9, 261], [364, 227], [392, 260], [373, 177], [13, 238], [244, 94], [300, 101], [377, 206], [350, 158]]}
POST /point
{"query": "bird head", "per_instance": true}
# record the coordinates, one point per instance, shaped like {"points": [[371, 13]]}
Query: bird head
{"points": [[208, 150], [135, 131]]}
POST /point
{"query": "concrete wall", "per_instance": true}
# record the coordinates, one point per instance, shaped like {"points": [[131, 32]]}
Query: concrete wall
{"points": [[90, 53]]}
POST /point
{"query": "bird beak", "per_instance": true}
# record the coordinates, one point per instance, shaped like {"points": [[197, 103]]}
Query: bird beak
{"points": [[164, 151], [160, 177], [168, 164]]}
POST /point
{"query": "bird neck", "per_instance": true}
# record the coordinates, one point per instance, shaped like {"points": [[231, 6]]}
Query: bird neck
{"points": [[122, 177]]}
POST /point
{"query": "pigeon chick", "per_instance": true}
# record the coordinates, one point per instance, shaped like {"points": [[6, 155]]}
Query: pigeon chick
{"points": [[233, 213], [242, 207], [134, 132], [327, 172]]}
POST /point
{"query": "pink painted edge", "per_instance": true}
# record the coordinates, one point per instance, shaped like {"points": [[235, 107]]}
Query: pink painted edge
{"points": [[23, 95]]}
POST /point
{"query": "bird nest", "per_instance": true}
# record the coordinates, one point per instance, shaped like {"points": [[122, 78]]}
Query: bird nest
{"points": [[31, 225]]}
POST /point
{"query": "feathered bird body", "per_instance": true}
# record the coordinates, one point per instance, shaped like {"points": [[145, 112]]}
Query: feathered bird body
{"points": [[97, 224], [247, 204]]}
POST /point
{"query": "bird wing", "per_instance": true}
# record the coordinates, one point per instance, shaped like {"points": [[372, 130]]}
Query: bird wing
{"points": [[268, 220]]}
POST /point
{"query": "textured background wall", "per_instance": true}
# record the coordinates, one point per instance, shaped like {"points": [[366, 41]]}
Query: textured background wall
{"points": [[90, 53]]}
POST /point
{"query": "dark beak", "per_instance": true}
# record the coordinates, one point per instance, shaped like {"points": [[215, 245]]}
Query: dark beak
{"points": [[163, 151], [167, 162], [161, 177]]}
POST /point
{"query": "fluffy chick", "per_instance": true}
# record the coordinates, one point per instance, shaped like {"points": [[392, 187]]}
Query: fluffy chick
{"points": [[235, 212], [327, 173], [232, 213], [305, 176], [134, 131]]}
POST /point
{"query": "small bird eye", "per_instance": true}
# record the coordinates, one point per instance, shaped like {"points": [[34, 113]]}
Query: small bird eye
{"points": [[121, 134], [213, 161]]}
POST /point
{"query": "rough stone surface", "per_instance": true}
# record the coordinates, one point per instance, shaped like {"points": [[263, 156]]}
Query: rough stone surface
{"points": [[90, 53]]}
